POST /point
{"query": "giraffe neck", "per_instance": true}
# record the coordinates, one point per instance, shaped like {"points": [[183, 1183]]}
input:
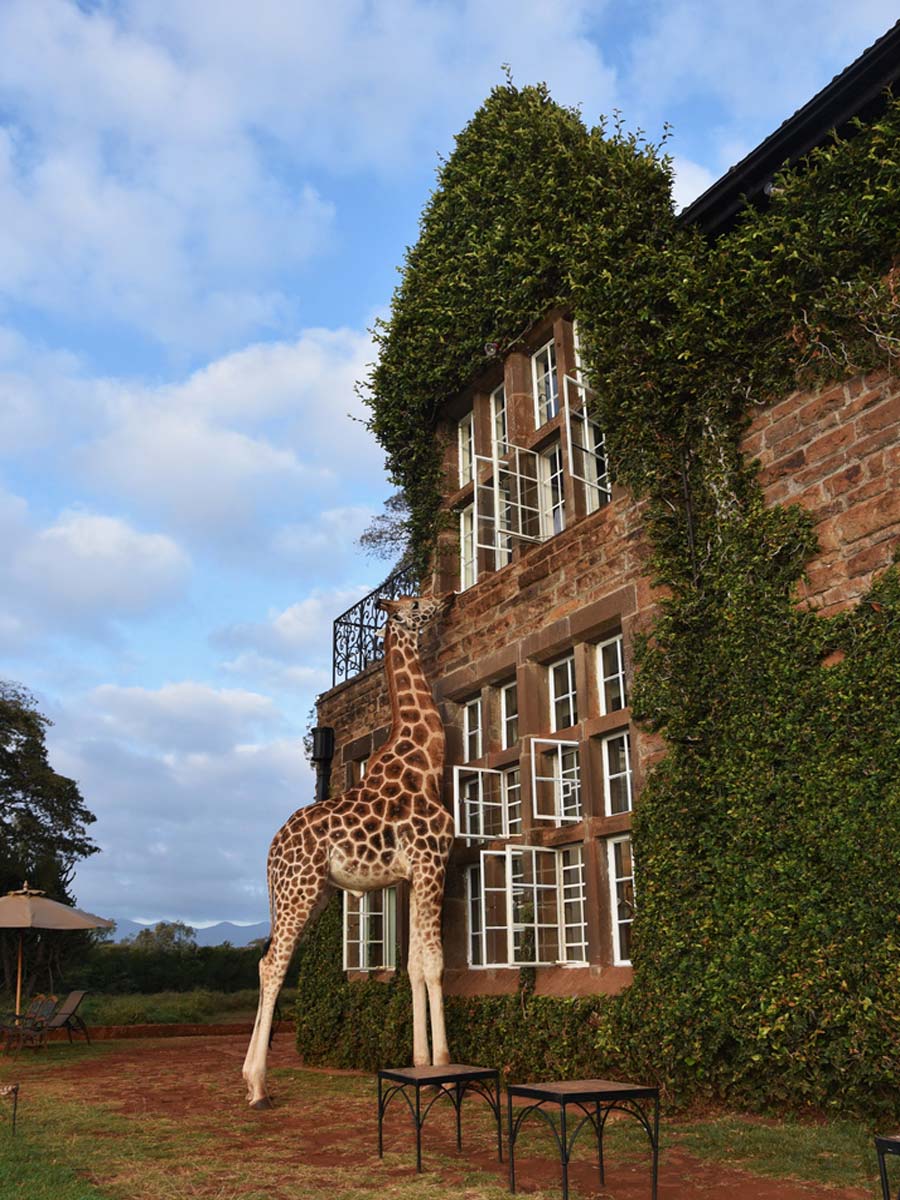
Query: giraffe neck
{"points": [[412, 705]]}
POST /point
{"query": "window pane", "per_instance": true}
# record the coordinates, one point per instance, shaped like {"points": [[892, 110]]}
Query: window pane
{"points": [[564, 705], [612, 676], [617, 773], [546, 384], [466, 438], [509, 716]]}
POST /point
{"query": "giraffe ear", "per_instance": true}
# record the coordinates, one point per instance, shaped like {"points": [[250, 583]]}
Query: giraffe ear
{"points": [[387, 606]]}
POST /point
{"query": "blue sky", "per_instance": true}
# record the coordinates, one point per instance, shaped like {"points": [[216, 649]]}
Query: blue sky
{"points": [[202, 209]]}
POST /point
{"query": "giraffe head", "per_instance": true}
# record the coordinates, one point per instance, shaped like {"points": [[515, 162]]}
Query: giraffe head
{"points": [[413, 613]]}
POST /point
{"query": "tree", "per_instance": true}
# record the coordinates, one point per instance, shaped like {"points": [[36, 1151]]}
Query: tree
{"points": [[43, 828], [388, 533], [169, 937]]}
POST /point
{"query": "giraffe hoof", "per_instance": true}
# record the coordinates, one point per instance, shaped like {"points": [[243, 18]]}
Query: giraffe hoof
{"points": [[263, 1102]]}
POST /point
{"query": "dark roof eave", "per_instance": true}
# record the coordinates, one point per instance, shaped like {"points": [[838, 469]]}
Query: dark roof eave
{"points": [[859, 91]]}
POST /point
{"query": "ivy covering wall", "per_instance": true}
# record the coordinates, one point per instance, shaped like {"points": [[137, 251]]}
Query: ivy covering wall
{"points": [[766, 841]]}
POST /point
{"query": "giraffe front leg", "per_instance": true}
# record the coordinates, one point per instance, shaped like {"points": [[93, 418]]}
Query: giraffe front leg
{"points": [[421, 1057], [272, 969], [431, 951], [288, 926]]}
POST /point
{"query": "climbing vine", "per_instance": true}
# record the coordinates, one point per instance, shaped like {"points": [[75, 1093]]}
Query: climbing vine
{"points": [[768, 925]]}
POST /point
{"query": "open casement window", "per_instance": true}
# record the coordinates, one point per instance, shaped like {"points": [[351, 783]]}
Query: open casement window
{"points": [[621, 896], [617, 787], [370, 930], [487, 804], [587, 450], [555, 781], [507, 501], [526, 907], [545, 382]]}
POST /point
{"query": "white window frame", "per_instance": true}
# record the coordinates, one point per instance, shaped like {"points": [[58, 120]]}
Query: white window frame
{"points": [[572, 891], [468, 549], [571, 695], [465, 436], [608, 776], [472, 729], [552, 485], [571, 934], [547, 406], [576, 346], [507, 501], [499, 422], [512, 803], [479, 792], [506, 742], [586, 445], [365, 944], [602, 678], [614, 880], [566, 784]]}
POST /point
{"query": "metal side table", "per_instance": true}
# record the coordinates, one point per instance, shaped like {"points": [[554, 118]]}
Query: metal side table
{"points": [[593, 1100], [883, 1147], [452, 1081]]}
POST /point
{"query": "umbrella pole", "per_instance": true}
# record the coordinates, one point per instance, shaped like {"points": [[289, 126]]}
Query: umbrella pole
{"points": [[19, 982]]}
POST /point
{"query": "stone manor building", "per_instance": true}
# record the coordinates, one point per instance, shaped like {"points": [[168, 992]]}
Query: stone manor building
{"points": [[533, 663]]}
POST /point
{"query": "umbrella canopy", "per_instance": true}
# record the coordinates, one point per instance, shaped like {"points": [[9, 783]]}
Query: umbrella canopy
{"points": [[29, 908]]}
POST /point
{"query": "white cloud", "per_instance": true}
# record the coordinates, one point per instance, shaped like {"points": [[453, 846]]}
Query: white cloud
{"points": [[690, 181], [86, 570], [186, 717], [303, 628]]}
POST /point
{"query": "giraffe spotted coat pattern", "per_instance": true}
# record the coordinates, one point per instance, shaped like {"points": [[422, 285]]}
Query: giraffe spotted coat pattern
{"points": [[391, 826]]}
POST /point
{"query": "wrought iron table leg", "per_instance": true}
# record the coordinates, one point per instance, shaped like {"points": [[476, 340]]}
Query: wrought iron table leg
{"points": [[380, 1121], [512, 1143], [458, 1115], [655, 1143], [499, 1118], [564, 1150], [418, 1129], [599, 1131]]}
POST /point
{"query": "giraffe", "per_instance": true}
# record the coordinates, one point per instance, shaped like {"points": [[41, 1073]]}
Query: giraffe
{"points": [[391, 826]]}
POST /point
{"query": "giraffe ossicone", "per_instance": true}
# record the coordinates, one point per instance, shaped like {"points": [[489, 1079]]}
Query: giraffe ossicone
{"points": [[391, 826]]}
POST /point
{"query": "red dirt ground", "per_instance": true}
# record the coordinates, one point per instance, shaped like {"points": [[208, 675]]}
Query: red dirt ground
{"points": [[199, 1077]]}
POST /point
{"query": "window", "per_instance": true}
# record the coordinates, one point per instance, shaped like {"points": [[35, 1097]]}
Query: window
{"points": [[617, 773], [509, 715], [573, 910], [563, 701], [611, 675], [546, 384], [552, 492], [511, 788], [526, 907], [555, 781], [621, 890], [487, 803], [587, 447], [370, 930], [472, 729], [499, 425], [468, 557], [466, 443]]}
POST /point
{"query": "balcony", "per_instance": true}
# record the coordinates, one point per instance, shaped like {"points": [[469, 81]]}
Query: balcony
{"points": [[356, 641]]}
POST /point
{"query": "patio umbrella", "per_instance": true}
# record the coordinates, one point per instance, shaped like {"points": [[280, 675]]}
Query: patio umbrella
{"points": [[29, 908]]}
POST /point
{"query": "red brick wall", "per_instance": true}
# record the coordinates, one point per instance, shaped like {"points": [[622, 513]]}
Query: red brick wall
{"points": [[837, 453]]}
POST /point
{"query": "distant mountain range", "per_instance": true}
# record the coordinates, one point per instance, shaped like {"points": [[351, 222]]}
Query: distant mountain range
{"points": [[212, 935]]}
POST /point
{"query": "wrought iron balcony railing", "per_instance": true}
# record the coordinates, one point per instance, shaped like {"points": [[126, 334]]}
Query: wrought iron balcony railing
{"points": [[356, 641]]}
